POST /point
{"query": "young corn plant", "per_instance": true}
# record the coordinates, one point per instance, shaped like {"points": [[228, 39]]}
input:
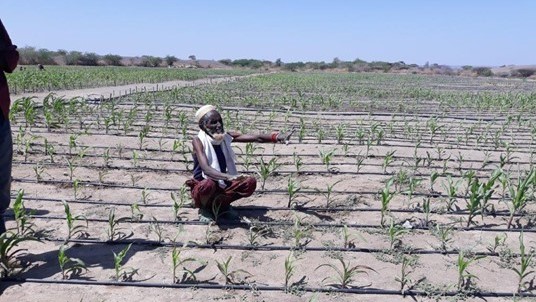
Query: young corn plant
{"points": [[145, 195], [9, 251], [50, 150], [444, 234], [413, 184], [451, 188], [433, 177], [156, 227], [266, 169], [255, 233], [299, 232], [73, 142], [526, 262], [326, 157], [76, 188], [72, 165], [345, 275], [228, 274], [298, 162], [349, 237], [114, 232], [405, 270], [135, 212], [479, 194], [519, 196], [498, 241], [72, 227], [340, 131], [189, 275], [290, 269], [329, 192], [39, 169], [293, 187], [359, 159], [395, 233], [24, 226], [386, 196], [320, 134], [426, 210], [464, 276], [123, 273], [387, 160], [70, 267], [178, 203]]}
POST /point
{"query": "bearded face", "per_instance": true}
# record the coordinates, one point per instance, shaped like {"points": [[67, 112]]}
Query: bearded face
{"points": [[213, 125]]}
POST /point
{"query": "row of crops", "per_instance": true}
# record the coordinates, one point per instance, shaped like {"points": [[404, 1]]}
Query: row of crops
{"points": [[393, 185], [31, 79]]}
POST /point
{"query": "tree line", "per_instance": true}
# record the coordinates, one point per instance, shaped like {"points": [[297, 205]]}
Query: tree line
{"points": [[34, 56]]}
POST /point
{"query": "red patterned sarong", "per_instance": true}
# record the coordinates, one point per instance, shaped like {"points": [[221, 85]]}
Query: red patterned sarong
{"points": [[207, 191]]}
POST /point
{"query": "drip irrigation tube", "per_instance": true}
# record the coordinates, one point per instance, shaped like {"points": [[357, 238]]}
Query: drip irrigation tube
{"points": [[266, 208], [291, 223], [333, 170], [268, 248], [392, 143], [358, 291], [335, 165], [400, 158], [275, 191], [397, 132]]}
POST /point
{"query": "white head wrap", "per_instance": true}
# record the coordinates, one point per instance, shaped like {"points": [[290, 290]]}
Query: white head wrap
{"points": [[202, 111]]}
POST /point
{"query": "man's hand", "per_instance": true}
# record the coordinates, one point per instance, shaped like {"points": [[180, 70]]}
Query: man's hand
{"points": [[236, 177], [285, 137]]}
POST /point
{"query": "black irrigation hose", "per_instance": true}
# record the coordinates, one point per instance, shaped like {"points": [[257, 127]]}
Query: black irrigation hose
{"points": [[357, 291], [333, 170], [296, 114], [268, 248], [394, 128], [302, 155], [290, 223], [402, 159], [265, 208], [276, 191], [522, 139], [483, 118], [391, 142]]}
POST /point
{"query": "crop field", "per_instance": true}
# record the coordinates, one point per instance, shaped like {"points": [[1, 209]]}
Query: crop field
{"points": [[392, 187], [77, 77]]}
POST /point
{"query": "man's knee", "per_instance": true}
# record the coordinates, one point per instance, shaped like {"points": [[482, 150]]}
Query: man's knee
{"points": [[207, 186], [203, 192], [250, 184]]}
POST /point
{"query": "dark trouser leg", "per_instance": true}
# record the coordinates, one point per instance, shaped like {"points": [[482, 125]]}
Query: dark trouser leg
{"points": [[6, 157], [203, 192]]}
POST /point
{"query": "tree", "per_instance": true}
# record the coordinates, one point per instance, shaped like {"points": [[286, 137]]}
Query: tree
{"points": [[483, 71], [524, 72], [336, 63], [72, 57], [278, 62], [150, 61], [192, 57], [89, 59], [170, 60], [113, 60]]}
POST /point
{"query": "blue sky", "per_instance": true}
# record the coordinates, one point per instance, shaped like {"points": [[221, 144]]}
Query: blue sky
{"points": [[455, 32]]}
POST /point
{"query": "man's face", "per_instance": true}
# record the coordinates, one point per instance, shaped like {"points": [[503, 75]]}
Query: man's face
{"points": [[214, 124]]}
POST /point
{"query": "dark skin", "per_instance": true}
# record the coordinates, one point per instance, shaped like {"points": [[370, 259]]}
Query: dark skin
{"points": [[212, 123]]}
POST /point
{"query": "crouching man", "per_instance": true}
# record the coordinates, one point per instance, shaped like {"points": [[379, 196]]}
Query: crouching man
{"points": [[216, 182]]}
